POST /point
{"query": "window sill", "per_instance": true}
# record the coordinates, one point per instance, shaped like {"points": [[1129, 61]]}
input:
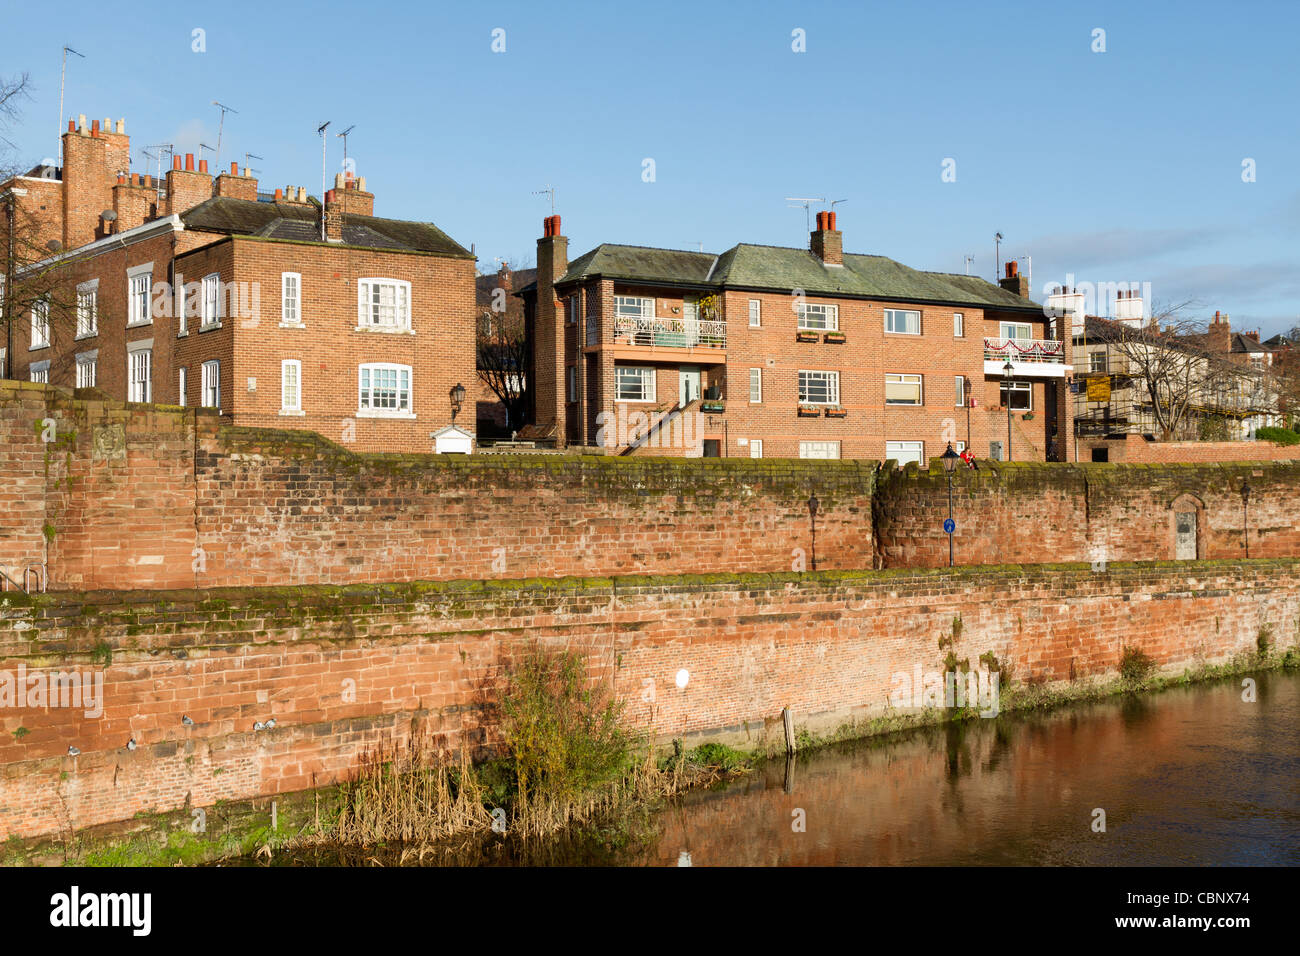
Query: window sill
{"points": [[298, 412], [210, 327], [292, 325], [375, 413], [183, 333], [37, 348], [910, 335], [136, 325], [634, 401], [383, 331], [87, 335], [906, 405]]}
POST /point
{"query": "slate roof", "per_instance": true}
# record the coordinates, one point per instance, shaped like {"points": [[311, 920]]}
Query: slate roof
{"points": [[485, 285], [245, 217], [748, 266]]}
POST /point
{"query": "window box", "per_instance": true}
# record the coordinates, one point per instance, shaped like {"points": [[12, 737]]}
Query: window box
{"points": [[1028, 416], [804, 335], [836, 338], [836, 413], [713, 407], [808, 411]]}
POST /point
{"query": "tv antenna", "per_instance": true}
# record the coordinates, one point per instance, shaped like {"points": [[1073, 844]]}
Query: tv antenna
{"points": [[806, 203], [997, 256], [548, 191], [162, 148], [221, 127], [203, 146], [247, 168], [969, 260], [63, 74], [321, 129], [344, 134]]}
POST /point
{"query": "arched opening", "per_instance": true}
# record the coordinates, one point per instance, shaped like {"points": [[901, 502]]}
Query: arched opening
{"points": [[1187, 527]]}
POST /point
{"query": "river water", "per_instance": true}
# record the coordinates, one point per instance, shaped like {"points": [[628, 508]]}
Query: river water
{"points": [[1189, 776]]}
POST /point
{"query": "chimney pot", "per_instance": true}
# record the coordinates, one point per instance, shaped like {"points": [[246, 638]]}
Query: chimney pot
{"points": [[176, 162], [94, 127], [148, 179], [830, 218], [81, 122], [72, 126], [1013, 268], [203, 165], [121, 178], [121, 127], [329, 196], [189, 162], [135, 179], [279, 194], [361, 183], [234, 169]]}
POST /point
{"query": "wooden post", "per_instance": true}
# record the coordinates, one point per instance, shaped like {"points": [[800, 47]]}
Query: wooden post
{"points": [[788, 720]]}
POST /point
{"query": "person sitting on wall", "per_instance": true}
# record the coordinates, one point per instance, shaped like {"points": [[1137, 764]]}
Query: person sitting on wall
{"points": [[969, 458]]}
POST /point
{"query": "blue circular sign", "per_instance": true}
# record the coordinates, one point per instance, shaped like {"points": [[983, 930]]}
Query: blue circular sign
{"points": [[949, 526]]}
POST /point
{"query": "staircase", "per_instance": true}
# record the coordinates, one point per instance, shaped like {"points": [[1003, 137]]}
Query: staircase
{"points": [[667, 414]]}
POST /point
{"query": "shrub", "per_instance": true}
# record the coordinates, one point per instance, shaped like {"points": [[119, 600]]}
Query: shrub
{"points": [[1135, 665], [1264, 641], [1279, 436]]}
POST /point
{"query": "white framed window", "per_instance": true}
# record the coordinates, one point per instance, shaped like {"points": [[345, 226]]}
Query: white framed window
{"points": [[819, 449], [40, 324], [572, 373], [819, 388], [1018, 396], [903, 389], [959, 391], [210, 303], [210, 384], [903, 321], [182, 385], [959, 446], [290, 386], [4, 362], [384, 390], [39, 372], [818, 317], [181, 304], [756, 448], [1016, 330], [139, 373], [958, 325], [755, 386], [636, 306], [139, 282], [87, 363], [634, 383], [384, 305], [291, 299], [88, 309], [756, 321], [690, 310], [905, 451], [1097, 361]]}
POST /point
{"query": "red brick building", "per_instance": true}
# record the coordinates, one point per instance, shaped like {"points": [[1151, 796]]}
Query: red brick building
{"points": [[768, 351], [277, 309]]}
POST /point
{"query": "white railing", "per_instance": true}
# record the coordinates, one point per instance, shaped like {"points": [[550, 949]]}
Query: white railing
{"points": [[1023, 350], [669, 333]]}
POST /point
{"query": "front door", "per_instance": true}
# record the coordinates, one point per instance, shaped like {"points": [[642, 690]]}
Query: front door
{"points": [[1185, 546], [688, 384]]}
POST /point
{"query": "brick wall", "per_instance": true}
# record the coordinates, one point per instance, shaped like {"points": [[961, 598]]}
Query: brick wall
{"points": [[340, 669], [1135, 448]]}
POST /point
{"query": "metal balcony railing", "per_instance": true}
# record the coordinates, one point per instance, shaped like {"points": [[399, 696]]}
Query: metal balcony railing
{"points": [[669, 333], [1023, 350]]}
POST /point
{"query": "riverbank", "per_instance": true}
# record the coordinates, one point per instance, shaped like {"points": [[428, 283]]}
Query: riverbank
{"points": [[297, 824]]}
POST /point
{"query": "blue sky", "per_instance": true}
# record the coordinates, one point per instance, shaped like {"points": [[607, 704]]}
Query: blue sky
{"points": [[1115, 166]]}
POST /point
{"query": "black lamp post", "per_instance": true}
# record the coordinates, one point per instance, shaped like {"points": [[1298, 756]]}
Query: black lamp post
{"points": [[1008, 370], [949, 459], [1245, 513], [812, 518], [457, 400]]}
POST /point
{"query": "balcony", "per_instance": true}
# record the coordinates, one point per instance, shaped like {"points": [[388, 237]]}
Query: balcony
{"points": [[1029, 357], [703, 341]]}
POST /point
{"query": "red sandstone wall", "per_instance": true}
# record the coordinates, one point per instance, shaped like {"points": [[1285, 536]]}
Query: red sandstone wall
{"points": [[341, 670]]}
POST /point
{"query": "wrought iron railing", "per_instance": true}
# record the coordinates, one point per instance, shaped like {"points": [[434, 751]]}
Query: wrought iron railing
{"points": [[669, 333], [1023, 350]]}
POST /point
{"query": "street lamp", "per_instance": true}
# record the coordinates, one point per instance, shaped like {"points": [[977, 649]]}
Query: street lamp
{"points": [[457, 400], [813, 504], [949, 459], [1245, 513], [1008, 370]]}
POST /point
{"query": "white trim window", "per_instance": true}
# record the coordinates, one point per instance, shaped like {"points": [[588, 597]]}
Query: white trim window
{"points": [[139, 374], [756, 448], [755, 386], [182, 385], [905, 451], [958, 325], [635, 306], [290, 387], [384, 305], [903, 389], [1018, 396], [4, 362], [903, 321], [139, 282], [87, 363], [817, 317], [819, 388], [756, 317], [210, 304], [210, 384], [634, 383], [819, 449], [291, 300], [959, 391], [88, 309], [39, 372], [1016, 330], [384, 390], [40, 324]]}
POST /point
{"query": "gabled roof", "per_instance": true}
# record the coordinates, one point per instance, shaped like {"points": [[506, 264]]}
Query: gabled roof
{"points": [[748, 266], [298, 223]]}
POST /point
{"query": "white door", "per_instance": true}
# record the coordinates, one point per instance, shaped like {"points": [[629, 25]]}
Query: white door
{"points": [[756, 448], [688, 384]]}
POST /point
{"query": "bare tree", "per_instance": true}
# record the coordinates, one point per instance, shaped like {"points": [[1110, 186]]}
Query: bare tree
{"points": [[502, 351]]}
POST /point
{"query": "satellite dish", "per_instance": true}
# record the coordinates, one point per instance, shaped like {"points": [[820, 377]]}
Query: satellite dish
{"points": [[108, 215], [54, 245]]}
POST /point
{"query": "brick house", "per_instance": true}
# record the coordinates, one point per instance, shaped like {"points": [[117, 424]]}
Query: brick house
{"points": [[767, 351], [501, 340], [277, 309]]}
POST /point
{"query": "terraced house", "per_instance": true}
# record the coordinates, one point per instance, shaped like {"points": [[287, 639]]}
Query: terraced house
{"points": [[274, 308], [767, 351]]}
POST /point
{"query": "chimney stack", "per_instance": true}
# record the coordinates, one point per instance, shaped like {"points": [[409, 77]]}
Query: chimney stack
{"points": [[1014, 282], [826, 242], [1219, 337], [549, 357]]}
